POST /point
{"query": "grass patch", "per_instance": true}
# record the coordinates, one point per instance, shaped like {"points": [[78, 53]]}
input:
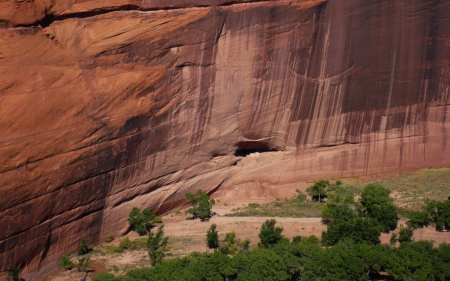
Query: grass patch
{"points": [[282, 208], [410, 190]]}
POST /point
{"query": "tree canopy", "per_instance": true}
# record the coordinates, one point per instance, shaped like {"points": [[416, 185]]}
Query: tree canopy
{"points": [[201, 205]]}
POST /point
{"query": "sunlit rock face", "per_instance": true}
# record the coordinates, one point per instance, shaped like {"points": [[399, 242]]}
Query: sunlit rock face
{"points": [[106, 105]]}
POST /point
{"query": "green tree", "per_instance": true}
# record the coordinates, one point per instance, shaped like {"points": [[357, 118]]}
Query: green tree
{"points": [[83, 248], [13, 274], [212, 237], [201, 205], [65, 261], [141, 221], [318, 190], [394, 239], [269, 234], [376, 204], [83, 263], [405, 234], [156, 244], [229, 245]]}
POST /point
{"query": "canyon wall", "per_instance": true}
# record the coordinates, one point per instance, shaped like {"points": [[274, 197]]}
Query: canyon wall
{"points": [[106, 105]]}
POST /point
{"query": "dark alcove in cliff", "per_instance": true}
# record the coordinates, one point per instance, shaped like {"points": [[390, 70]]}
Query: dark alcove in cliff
{"points": [[245, 148]]}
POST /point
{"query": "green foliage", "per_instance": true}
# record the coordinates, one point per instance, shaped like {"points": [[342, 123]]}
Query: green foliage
{"points": [[346, 260], [301, 197], [156, 246], [245, 244], [83, 263], [65, 261], [157, 220], [312, 239], [254, 205], [229, 245], [405, 234], [376, 204], [13, 274], [201, 205], [318, 190], [269, 234], [104, 276], [140, 221], [83, 248], [212, 237], [394, 239], [357, 229], [296, 239], [109, 239]]}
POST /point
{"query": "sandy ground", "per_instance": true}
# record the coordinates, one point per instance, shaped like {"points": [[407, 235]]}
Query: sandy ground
{"points": [[188, 235]]}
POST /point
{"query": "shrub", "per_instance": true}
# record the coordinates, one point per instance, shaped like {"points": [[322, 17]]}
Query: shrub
{"points": [[301, 197], [109, 239], [405, 234], [83, 248], [201, 205], [13, 274], [83, 263], [296, 240], [212, 237], [140, 222], [125, 243], [318, 190], [245, 245], [157, 220], [156, 245], [229, 245], [394, 239], [254, 205], [269, 234], [65, 261]]}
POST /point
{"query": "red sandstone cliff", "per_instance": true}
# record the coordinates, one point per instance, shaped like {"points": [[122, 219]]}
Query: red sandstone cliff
{"points": [[106, 105]]}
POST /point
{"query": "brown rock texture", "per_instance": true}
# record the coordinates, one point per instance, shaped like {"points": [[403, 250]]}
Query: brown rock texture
{"points": [[106, 105]]}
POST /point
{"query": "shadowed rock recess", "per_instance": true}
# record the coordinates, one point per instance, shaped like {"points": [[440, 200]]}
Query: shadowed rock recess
{"points": [[106, 105]]}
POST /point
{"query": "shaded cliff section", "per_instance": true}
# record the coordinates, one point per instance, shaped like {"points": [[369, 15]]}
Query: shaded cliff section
{"points": [[107, 105]]}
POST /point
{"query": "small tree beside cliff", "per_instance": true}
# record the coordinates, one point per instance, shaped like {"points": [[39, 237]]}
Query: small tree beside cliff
{"points": [[201, 205], [141, 221], [318, 190]]}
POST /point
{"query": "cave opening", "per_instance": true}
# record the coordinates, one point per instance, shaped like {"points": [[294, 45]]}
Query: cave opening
{"points": [[245, 148]]}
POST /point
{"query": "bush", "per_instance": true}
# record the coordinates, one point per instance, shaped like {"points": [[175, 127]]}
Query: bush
{"points": [[140, 222], [157, 220], [83, 263], [125, 243], [65, 261], [201, 205], [318, 190], [109, 239], [156, 245], [296, 240], [245, 245], [83, 248], [301, 197], [212, 237], [13, 274], [405, 234], [269, 234]]}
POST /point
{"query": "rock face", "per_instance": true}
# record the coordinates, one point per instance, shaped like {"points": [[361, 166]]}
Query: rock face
{"points": [[106, 105]]}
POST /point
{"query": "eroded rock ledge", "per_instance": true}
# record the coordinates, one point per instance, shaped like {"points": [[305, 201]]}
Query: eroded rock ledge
{"points": [[106, 105]]}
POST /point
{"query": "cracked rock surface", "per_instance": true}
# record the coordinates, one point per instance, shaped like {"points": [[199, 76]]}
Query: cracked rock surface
{"points": [[107, 105]]}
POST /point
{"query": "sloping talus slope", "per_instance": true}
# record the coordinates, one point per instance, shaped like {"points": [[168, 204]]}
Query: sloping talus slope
{"points": [[106, 105]]}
